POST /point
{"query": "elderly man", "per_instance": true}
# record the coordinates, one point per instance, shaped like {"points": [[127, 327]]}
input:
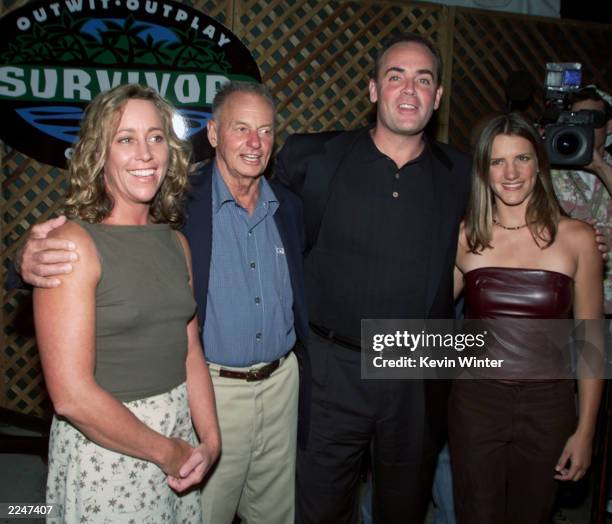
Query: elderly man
{"points": [[245, 235]]}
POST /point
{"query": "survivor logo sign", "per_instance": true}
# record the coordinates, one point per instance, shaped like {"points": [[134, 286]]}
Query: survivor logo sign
{"points": [[56, 56]]}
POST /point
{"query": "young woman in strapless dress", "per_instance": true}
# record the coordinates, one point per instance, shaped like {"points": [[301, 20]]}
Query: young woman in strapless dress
{"points": [[518, 258]]}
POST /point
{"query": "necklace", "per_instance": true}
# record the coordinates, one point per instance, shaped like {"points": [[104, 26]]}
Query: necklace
{"points": [[508, 228]]}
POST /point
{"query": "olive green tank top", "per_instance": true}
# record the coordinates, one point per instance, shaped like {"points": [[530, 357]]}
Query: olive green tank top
{"points": [[143, 305]]}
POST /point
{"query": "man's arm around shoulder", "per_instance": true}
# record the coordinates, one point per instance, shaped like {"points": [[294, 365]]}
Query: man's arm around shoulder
{"points": [[41, 258]]}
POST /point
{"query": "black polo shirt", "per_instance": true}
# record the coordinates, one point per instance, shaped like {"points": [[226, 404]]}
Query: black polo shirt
{"points": [[371, 258]]}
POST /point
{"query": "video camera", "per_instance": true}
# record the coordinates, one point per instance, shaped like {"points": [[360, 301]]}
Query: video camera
{"points": [[569, 140]]}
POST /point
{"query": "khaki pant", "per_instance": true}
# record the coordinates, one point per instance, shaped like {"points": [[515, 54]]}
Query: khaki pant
{"points": [[255, 476]]}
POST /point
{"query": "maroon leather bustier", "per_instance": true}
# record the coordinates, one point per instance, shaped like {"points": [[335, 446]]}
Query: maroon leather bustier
{"points": [[517, 300], [494, 292]]}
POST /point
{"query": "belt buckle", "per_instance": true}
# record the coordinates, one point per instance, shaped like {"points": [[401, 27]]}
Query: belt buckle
{"points": [[253, 375]]}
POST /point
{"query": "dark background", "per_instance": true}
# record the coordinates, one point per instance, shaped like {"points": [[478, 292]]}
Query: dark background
{"points": [[587, 10]]}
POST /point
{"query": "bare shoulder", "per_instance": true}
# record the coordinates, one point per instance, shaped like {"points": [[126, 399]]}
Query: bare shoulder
{"points": [[70, 230], [88, 264], [576, 233], [578, 238]]}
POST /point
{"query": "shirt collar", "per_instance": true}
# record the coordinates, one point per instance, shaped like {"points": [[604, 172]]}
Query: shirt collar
{"points": [[366, 149], [221, 194], [368, 152]]}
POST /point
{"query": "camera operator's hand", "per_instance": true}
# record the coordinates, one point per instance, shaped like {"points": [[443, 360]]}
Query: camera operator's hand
{"points": [[602, 169], [600, 238]]}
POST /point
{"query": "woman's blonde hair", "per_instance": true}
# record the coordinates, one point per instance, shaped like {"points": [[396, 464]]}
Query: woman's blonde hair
{"points": [[87, 197], [543, 211]]}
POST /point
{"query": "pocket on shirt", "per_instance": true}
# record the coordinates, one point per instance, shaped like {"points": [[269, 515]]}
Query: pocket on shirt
{"points": [[282, 269]]}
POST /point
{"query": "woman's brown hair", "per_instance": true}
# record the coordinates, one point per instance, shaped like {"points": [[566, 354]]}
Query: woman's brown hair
{"points": [[543, 211], [87, 197]]}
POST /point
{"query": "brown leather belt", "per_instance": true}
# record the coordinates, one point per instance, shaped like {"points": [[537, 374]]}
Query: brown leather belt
{"points": [[252, 375], [339, 340]]}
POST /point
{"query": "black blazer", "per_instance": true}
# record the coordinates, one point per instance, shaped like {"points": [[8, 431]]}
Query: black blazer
{"points": [[308, 164]]}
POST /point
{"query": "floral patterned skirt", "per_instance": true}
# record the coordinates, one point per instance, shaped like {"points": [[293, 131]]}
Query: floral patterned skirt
{"points": [[90, 483]]}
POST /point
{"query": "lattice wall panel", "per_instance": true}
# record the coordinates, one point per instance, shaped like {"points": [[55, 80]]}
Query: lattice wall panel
{"points": [[25, 391], [487, 47], [31, 192], [317, 55], [220, 10]]}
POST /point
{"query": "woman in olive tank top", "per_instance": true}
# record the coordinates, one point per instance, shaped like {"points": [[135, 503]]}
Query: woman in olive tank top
{"points": [[519, 261], [118, 338]]}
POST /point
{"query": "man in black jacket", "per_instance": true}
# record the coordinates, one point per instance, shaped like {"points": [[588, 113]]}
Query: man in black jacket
{"points": [[382, 208]]}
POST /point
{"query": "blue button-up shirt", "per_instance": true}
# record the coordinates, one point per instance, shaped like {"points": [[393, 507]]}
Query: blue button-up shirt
{"points": [[249, 315]]}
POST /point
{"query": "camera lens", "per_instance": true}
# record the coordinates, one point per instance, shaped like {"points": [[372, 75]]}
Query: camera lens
{"points": [[567, 144]]}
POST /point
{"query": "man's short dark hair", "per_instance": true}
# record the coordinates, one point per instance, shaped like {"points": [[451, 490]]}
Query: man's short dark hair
{"points": [[408, 38], [229, 88], [590, 93]]}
